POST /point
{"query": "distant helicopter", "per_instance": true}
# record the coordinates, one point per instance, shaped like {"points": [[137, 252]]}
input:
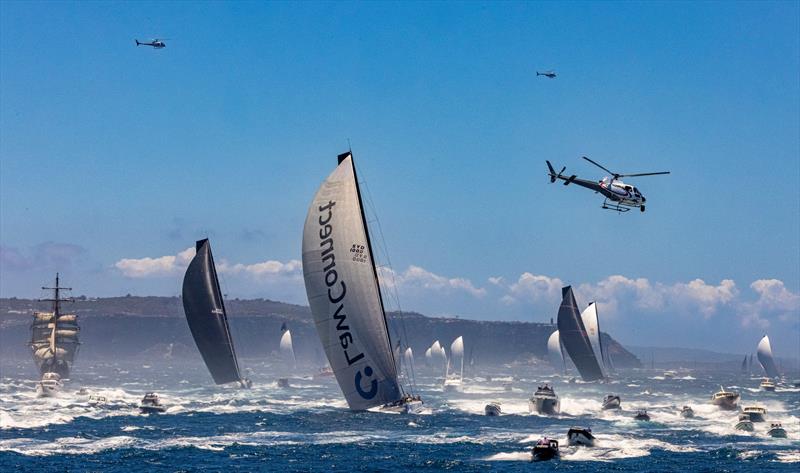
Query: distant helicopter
{"points": [[548, 74], [156, 43], [618, 195]]}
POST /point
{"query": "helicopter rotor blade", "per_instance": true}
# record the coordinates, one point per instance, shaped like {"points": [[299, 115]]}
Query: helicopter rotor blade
{"points": [[598, 165], [644, 174]]}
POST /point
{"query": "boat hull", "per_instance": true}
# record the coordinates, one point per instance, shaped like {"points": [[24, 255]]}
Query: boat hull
{"points": [[45, 389], [548, 406], [283, 383], [152, 409], [613, 403], [777, 432], [544, 453], [492, 410], [406, 407], [745, 425], [580, 437]]}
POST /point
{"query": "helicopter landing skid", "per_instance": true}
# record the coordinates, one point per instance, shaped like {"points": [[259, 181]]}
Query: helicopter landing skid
{"points": [[615, 206]]}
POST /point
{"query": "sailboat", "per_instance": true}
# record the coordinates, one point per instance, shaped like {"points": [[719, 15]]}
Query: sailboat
{"points": [[744, 365], [54, 342], [345, 297], [207, 318], [592, 325], [764, 354], [575, 338], [556, 352], [454, 383], [287, 354]]}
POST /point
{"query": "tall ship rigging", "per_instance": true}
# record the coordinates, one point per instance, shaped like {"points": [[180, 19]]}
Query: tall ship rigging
{"points": [[54, 335]]}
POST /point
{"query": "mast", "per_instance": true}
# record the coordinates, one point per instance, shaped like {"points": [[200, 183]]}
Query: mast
{"points": [[341, 158], [56, 312]]}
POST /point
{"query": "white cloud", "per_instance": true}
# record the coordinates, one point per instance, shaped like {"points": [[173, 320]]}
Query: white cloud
{"points": [[155, 267], [264, 270], [416, 277], [497, 281], [772, 294], [534, 288]]}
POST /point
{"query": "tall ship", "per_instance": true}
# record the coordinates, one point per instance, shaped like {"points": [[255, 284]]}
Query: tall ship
{"points": [[345, 297], [207, 318], [54, 335]]}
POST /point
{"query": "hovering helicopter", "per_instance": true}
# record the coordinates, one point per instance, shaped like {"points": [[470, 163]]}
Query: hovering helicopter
{"points": [[548, 74], [618, 195], [156, 43]]}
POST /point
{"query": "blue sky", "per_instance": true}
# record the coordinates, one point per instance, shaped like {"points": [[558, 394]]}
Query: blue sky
{"points": [[114, 159]]}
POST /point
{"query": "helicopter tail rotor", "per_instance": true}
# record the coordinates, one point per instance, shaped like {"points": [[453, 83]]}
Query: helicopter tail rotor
{"points": [[553, 175]]}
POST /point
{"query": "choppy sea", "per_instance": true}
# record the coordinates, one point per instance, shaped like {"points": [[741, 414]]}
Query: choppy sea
{"points": [[307, 427]]}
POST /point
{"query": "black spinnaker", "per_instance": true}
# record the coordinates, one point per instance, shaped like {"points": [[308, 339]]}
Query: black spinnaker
{"points": [[208, 321], [575, 339]]}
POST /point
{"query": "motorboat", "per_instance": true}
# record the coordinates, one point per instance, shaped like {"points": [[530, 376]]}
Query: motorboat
{"points": [[611, 401], [283, 383], [49, 385], [580, 436], [408, 404], [670, 374], [767, 385], [725, 399], [151, 404], [776, 430], [642, 415], [492, 409], [545, 449], [756, 413], [544, 401], [687, 412], [96, 400], [744, 423]]}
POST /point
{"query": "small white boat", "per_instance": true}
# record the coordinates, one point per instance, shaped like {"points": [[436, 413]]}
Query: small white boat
{"points": [[544, 401], [49, 386], [580, 436], [151, 404], [776, 430], [670, 374], [612, 401], [767, 385], [725, 399], [756, 413], [95, 400], [744, 423], [492, 409]]}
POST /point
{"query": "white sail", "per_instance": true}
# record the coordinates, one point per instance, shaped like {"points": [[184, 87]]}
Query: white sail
{"points": [[554, 350], [342, 288], [457, 354], [408, 359], [287, 350], [592, 325], [764, 354], [429, 355], [436, 347]]}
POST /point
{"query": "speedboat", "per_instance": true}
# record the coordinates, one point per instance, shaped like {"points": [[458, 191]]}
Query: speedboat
{"points": [[767, 384], [670, 374], [776, 430], [687, 412], [544, 401], [580, 436], [151, 404], [408, 404], [725, 399], [642, 415], [492, 409], [95, 400], [283, 383], [545, 449], [756, 413], [612, 401], [49, 385], [744, 423]]}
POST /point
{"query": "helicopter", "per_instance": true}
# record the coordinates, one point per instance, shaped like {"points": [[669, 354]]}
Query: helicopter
{"points": [[548, 74], [618, 195], [156, 43]]}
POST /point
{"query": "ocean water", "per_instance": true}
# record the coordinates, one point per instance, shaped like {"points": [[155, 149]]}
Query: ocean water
{"points": [[308, 428]]}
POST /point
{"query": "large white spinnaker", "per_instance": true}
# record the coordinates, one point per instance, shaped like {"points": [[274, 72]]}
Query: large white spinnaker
{"points": [[556, 352], [343, 293], [457, 353], [765, 358], [287, 349], [592, 325], [408, 362]]}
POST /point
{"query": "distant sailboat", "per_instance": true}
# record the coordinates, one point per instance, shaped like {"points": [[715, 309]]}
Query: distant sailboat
{"points": [[764, 354], [208, 321], [575, 338], [54, 336], [592, 325], [287, 349], [744, 365], [345, 298], [456, 353], [556, 352]]}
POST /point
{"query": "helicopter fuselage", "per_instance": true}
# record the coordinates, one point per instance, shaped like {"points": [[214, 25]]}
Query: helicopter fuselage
{"points": [[618, 191]]}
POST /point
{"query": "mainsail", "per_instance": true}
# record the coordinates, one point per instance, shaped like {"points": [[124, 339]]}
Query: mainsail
{"points": [[575, 339], [343, 292], [208, 321], [592, 326], [764, 354], [54, 336], [554, 349]]}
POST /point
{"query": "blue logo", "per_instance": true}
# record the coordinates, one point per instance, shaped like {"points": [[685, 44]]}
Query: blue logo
{"points": [[373, 385]]}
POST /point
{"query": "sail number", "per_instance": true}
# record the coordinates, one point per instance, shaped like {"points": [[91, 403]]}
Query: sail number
{"points": [[358, 253]]}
